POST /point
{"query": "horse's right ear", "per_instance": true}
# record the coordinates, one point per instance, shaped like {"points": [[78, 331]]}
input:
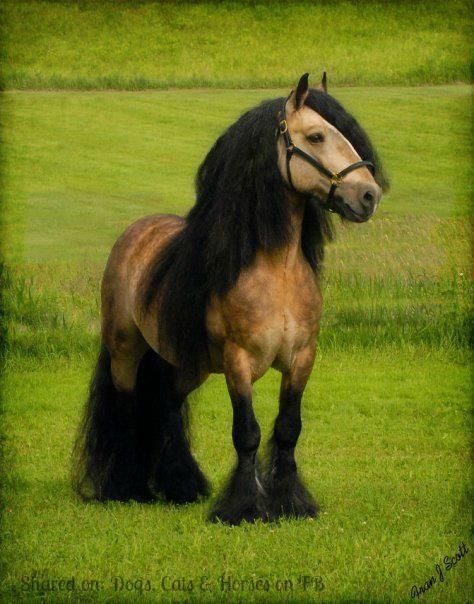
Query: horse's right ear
{"points": [[296, 99], [324, 83]]}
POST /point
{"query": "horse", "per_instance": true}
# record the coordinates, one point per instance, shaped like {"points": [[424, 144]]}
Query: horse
{"points": [[232, 288]]}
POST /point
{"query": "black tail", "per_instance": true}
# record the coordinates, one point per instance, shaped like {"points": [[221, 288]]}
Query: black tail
{"points": [[125, 439]]}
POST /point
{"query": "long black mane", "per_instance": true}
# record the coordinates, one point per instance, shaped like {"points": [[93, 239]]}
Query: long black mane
{"points": [[240, 208]]}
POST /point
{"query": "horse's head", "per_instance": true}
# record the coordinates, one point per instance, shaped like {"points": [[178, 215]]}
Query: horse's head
{"points": [[316, 159]]}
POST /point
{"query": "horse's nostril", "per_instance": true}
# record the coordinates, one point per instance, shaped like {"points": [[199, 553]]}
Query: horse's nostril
{"points": [[368, 196], [368, 201]]}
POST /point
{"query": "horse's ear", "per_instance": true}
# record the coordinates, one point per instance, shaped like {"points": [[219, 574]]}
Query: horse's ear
{"points": [[297, 99], [302, 90], [324, 83]]}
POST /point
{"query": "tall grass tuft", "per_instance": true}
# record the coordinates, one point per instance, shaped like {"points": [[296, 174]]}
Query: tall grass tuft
{"points": [[375, 311]]}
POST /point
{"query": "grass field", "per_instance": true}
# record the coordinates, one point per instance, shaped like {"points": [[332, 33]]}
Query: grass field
{"points": [[386, 414], [385, 448], [139, 45]]}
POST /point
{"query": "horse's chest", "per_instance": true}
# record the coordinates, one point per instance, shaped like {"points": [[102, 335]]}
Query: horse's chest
{"points": [[271, 317], [300, 310]]}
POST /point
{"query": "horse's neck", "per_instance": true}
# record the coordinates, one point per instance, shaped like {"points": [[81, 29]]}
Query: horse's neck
{"points": [[290, 254]]}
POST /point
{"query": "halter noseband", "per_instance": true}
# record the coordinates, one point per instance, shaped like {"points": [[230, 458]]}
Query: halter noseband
{"points": [[334, 177]]}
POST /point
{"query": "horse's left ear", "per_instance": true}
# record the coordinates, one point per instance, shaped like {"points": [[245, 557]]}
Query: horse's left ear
{"points": [[324, 83], [298, 98]]}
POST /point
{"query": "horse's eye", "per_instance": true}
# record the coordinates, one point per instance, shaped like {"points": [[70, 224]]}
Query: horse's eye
{"points": [[317, 137]]}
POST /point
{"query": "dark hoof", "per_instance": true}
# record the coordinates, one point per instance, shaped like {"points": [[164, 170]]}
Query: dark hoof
{"points": [[181, 484], [289, 498], [240, 502], [234, 513], [125, 492], [292, 508], [243, 498]]}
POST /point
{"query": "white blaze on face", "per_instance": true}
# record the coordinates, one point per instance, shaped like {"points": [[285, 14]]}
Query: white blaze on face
{"points": [[357, 158], [340, 155], [339, 134]]}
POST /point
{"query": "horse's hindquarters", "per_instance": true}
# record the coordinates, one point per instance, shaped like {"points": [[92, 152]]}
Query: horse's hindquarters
{"points": [[127, 328]]}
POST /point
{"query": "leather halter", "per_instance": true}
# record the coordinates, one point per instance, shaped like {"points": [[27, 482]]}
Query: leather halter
{"points": [[335, 178]]}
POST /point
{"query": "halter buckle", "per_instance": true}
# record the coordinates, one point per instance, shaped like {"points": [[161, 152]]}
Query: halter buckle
{"points": [[283, 127], [336, 179]]}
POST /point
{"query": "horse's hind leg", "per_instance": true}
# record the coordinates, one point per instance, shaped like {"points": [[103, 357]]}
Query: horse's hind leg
{"points": [[287, 495], [162, 394], [243, 498], [108, 454]]}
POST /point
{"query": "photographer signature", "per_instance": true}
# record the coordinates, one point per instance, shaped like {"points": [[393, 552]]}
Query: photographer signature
{"points": [[449, 562]]}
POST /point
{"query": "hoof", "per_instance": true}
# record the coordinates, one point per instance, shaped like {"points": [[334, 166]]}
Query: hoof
{"points": [[234, 513], [183, 484], [125, 492], [292, 508], [289, 498], [243, 500]]}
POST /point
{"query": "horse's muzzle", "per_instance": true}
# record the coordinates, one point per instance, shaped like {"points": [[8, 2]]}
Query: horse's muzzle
{"points": [[357, 203]]}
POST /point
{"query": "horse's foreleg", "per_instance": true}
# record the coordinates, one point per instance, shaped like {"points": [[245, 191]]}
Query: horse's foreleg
{"points": [[287, 495], [242, 499]]}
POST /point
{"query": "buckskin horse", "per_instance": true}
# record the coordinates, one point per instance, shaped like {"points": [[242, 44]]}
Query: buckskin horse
{"points": [[231, 288]]}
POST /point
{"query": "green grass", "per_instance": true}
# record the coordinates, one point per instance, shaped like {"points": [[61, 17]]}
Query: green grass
{"points": [[76, 161], [82, 166], [54, 309], [386, 413], [139, 45], [388, 459]]}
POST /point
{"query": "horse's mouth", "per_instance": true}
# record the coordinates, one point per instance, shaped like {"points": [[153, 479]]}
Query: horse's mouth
{"points": [[346, 211], [351, 214]]}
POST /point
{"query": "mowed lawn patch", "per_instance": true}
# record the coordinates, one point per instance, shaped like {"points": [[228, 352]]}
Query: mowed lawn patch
{"points": [[385, 447], [139, 45], [81, 166], [386, 413]]}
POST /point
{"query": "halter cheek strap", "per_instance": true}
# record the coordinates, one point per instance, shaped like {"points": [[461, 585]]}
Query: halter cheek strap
{"points": [[335, 178]]}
